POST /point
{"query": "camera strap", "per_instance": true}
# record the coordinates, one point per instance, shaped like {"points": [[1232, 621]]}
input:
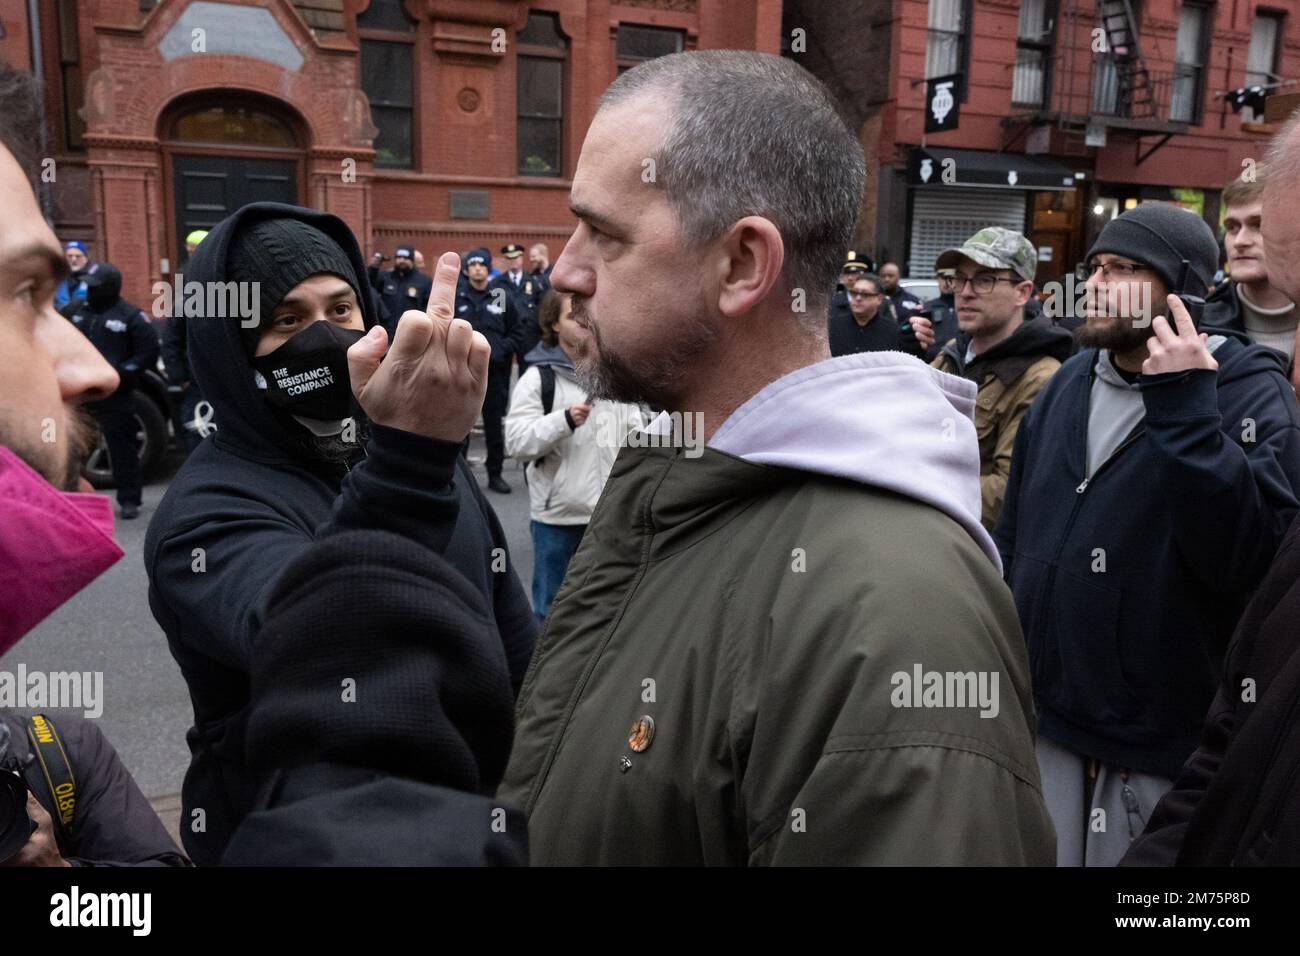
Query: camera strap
{"points": [[56, 775]]}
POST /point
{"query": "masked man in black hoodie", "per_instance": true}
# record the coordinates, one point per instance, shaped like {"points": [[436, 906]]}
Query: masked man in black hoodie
{"points": [[295, 459], [126, 338]]}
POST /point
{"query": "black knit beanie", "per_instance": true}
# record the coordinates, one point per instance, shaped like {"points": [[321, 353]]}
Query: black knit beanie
{"points": [[1161, 235], [279, 254]]}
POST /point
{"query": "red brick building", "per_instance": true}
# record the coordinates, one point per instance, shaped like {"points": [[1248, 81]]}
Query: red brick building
{"points": [[447, 123], [1060, 127]]}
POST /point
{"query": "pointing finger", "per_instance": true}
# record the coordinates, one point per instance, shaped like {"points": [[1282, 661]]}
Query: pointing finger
{"points": [[442, 299]]}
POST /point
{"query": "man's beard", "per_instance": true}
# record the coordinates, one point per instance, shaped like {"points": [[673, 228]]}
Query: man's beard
{"points": [[657, 380], [81, 438], [1119, 336], [333, 451]]}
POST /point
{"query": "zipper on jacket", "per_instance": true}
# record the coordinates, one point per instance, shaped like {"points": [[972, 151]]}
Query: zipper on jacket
{"points": [[1083, 486], [1049, 582]]}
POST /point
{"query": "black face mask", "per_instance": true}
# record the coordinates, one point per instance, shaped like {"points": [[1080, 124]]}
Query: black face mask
{"points": [[308, 375], [402, 270]]}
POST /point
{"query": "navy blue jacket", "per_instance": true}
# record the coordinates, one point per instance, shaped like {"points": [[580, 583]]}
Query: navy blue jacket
{"points": [[1184, 517], [124, 336], [399, 294], [494, 312]]}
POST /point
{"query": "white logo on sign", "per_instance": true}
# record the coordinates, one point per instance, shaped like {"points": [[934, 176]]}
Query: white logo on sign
{"points": [[942, 103], [1012, 177], [927, 169]]}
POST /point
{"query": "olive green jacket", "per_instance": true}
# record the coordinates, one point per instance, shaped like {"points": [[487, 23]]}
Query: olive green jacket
{"points": [[761, 617]]}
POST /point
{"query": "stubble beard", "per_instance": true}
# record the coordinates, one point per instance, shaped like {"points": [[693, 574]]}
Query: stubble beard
{"points": [[81, 437], [607, 375]]}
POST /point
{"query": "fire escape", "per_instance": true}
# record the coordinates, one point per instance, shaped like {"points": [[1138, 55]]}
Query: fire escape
{"points": [[1098, 83]]}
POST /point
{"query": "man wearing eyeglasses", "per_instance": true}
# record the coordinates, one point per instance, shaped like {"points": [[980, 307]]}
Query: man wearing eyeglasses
{"points": [[1151, 483], [866, 325], [1008, 357]]}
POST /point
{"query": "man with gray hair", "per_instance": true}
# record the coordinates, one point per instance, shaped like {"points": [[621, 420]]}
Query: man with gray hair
{"points": [[792, 646]]}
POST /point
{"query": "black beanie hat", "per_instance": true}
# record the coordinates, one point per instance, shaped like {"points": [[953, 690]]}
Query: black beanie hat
{"points": [[279, 254], [1161, 236], [103, 285]]}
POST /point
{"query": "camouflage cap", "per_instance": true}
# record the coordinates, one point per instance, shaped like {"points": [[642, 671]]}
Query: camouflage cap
{"points": [[996, 248]]}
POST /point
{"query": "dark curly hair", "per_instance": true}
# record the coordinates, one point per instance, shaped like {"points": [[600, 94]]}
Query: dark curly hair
{"points": [[22, 130]]}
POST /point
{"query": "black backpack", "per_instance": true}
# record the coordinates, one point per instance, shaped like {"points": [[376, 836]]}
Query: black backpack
{"points": [[547, 372]]}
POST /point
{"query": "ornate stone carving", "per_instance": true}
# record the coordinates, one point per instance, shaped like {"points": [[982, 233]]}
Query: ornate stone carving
{"points": [[468, 99], [360, 128]]}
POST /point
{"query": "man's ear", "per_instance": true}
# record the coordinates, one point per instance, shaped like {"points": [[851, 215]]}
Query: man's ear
{"points": [[752, 254], [1024, 292]]}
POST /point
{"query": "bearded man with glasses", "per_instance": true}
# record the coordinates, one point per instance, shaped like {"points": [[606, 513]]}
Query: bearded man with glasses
{"points": [[1151, 483]]}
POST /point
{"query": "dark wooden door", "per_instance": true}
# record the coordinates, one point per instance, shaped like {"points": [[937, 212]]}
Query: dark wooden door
{"points": [[210, 188]]}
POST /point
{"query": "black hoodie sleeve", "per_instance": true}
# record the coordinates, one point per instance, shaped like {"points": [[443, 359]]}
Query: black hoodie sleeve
{"points": [[1238, 499], [223, 570], [404, 485], [404, 773], [510, 604]]}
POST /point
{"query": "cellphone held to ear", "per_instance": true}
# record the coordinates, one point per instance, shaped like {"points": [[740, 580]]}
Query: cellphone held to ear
{"points": [[1194, 304]]}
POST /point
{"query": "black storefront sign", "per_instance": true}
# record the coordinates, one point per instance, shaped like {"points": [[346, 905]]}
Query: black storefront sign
{"points": [[942, 106]]}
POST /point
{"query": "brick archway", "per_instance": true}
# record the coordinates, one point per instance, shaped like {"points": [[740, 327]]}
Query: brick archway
{"points": [[222, 149], [143, 77]]}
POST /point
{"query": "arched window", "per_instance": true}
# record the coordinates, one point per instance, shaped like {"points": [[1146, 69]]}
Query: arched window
{"points": [[387, 77], [234, 126]]}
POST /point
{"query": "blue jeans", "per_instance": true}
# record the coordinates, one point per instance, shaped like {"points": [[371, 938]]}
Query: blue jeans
{"points": [[553, 548]]}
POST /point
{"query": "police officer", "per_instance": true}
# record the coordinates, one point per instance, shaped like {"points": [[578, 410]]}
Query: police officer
{"points": [[528, 292], [490, 307], [403, 287], [127, 340], [853, 267]]}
